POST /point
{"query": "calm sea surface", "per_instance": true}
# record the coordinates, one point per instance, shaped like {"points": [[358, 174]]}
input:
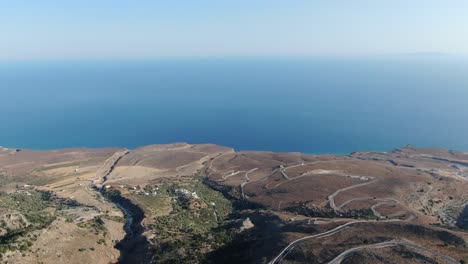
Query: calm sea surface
{"points": [[314, 105]]}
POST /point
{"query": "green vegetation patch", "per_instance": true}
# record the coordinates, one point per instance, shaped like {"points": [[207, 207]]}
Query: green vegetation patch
{"points": [[4, 179], [39, 209], [114, 218], [31, 204], [192, 228], [96, 225]]}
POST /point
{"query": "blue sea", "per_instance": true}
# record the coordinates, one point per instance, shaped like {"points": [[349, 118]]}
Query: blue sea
{"points": [[311, 105]]}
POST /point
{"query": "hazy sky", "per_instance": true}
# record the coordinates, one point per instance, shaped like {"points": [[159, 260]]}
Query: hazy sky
{"points": [[51, 29]]}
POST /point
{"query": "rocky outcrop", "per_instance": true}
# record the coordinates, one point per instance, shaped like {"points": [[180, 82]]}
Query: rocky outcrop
{"points": [[246, 224], [462, 220], [11, 220]]}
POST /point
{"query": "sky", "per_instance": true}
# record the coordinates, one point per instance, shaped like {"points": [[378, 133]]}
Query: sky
{"points": [[61, 29]]}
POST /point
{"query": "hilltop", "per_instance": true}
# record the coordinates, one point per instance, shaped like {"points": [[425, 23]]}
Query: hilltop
{"points": [[212, 204]]}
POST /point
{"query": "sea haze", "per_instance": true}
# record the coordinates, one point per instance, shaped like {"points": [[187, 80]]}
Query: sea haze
{"points": [[313, 105]]}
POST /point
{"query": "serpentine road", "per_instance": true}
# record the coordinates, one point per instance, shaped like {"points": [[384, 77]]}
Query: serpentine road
{"points": [[392, 243], [341, 257], [293, 244]]}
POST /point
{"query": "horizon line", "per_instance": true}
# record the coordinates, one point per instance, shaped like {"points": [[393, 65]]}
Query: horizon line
{"points": [[233, 56]]}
